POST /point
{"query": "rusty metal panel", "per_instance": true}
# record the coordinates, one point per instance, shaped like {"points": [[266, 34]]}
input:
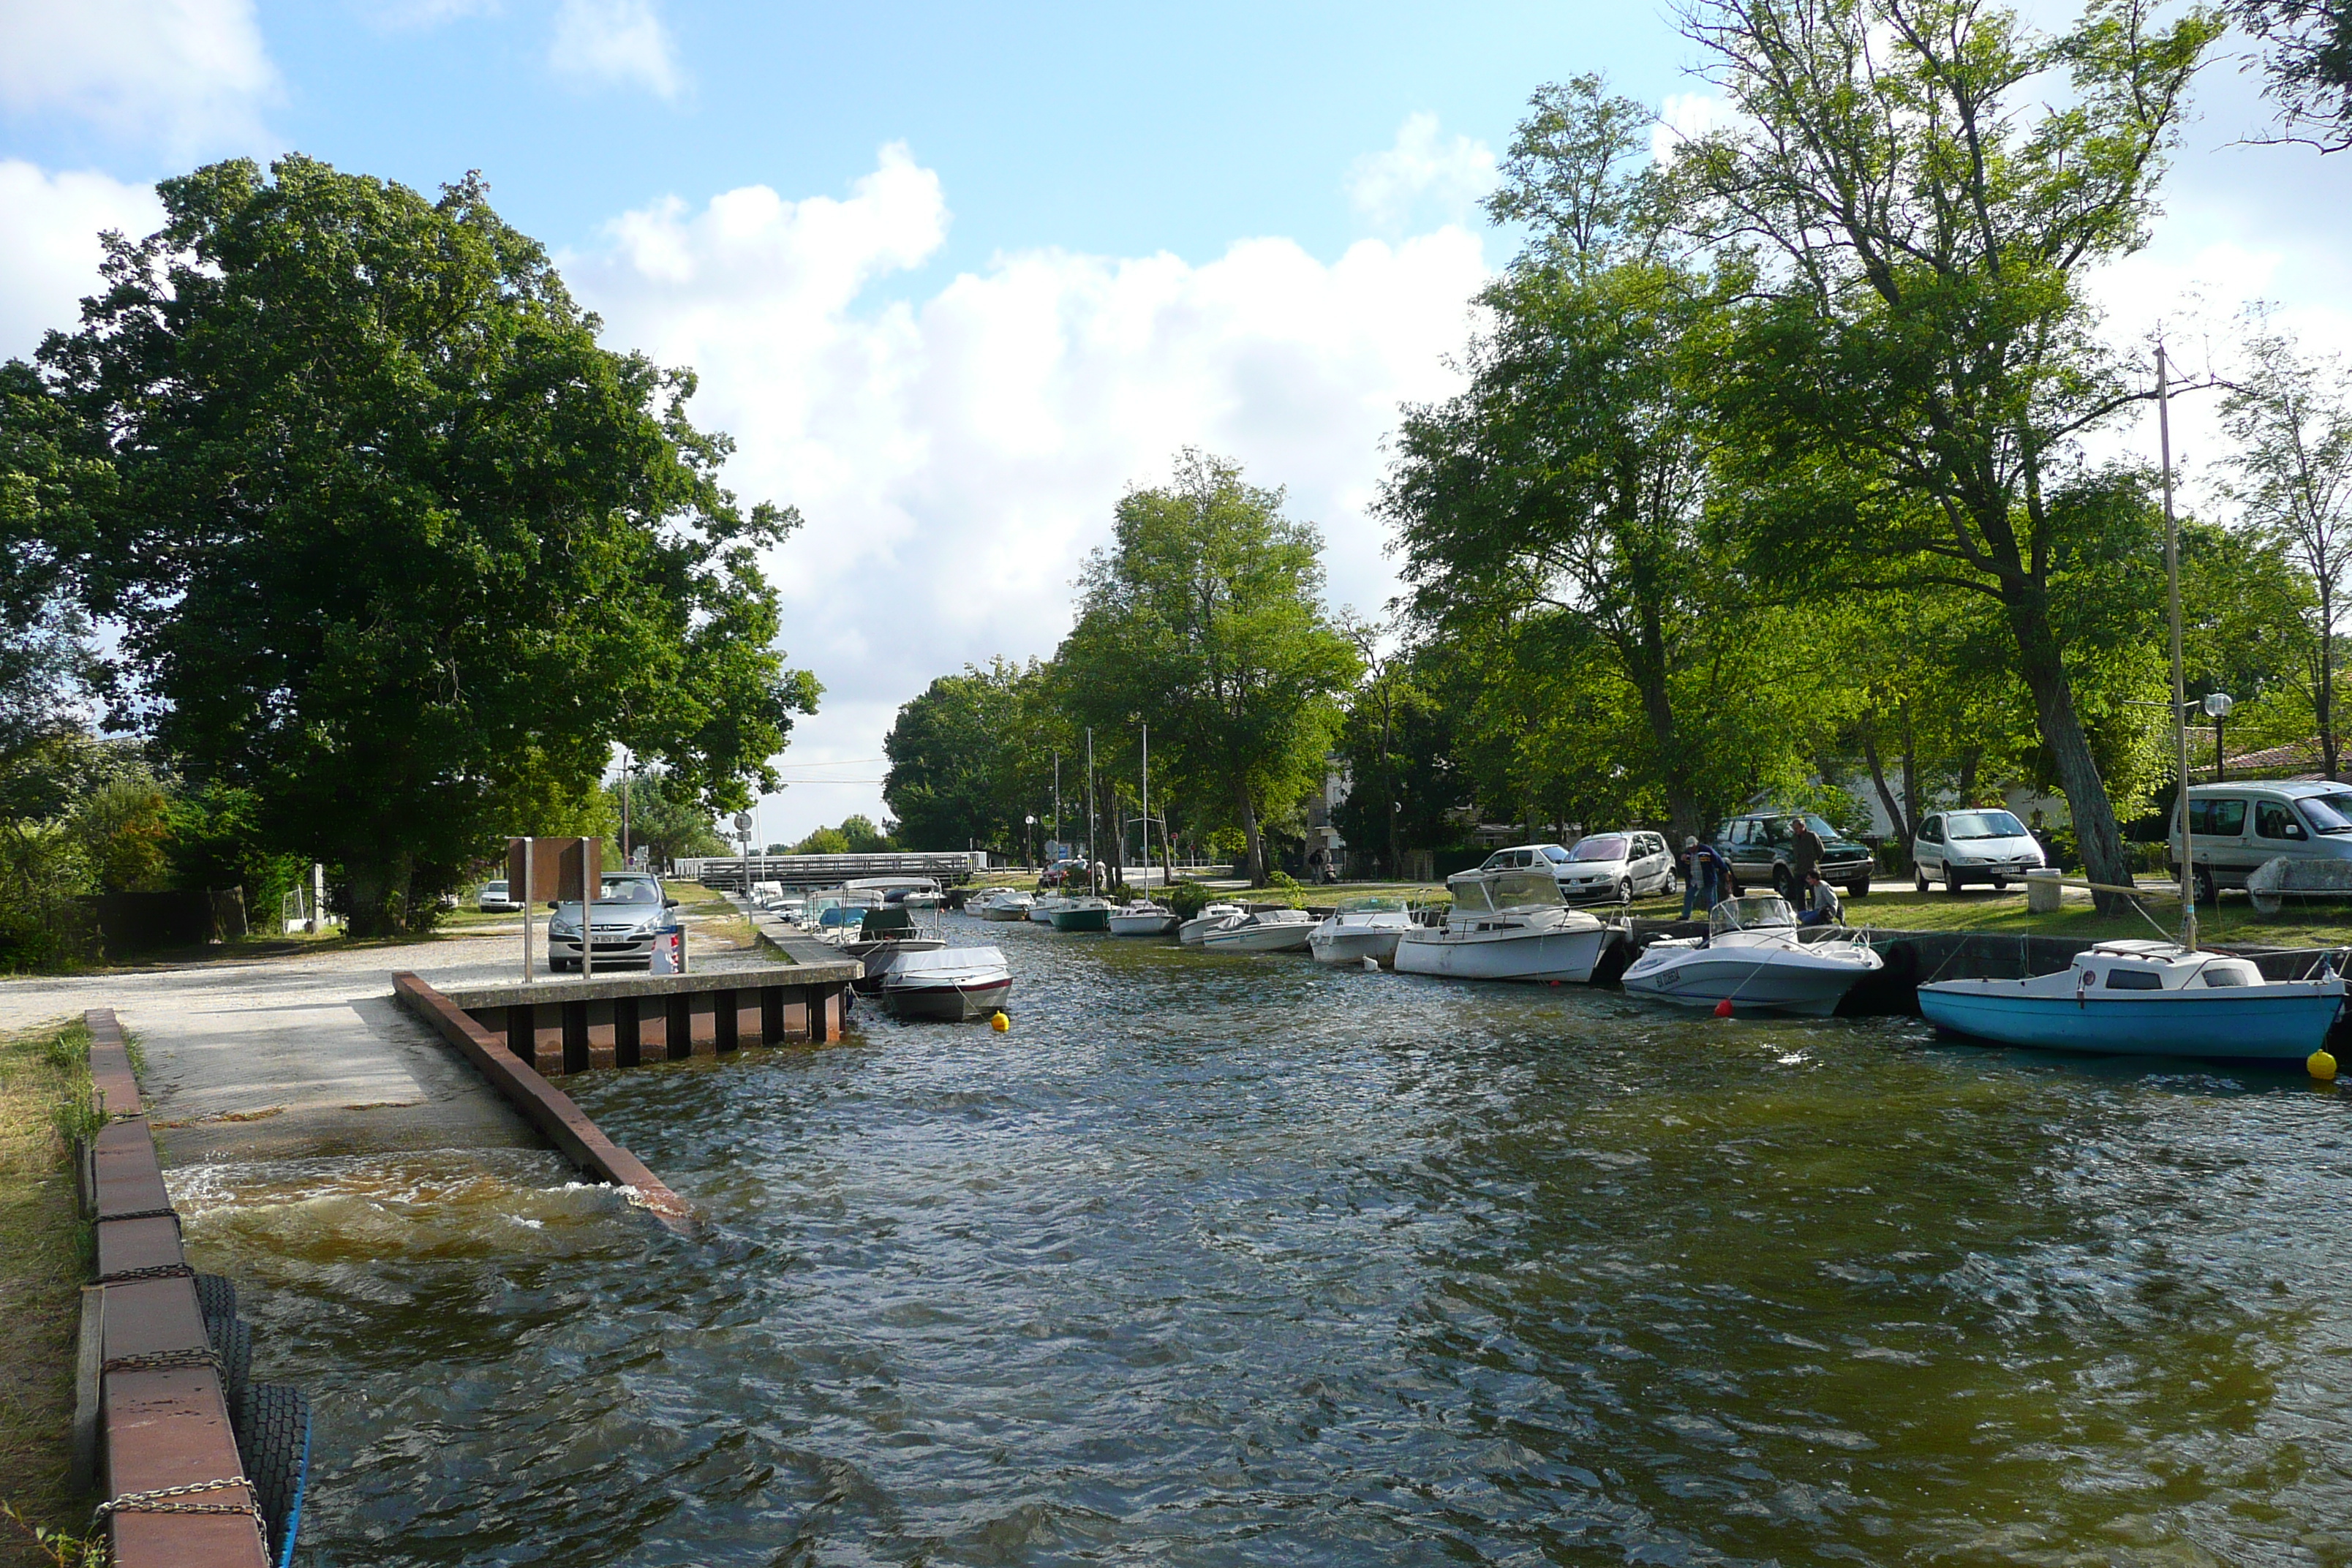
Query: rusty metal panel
{"points": [[168, 1427], [110, 1065], [129, 1245], [626, 1046], [560, 869], [129, 1182]]}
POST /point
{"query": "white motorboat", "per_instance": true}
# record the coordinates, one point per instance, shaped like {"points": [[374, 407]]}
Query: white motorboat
{"points": [[1361, 929], [1008, 904], [1267, 931], [2145, 999], [1211, 918], [1505, 925], [952, 983], [884, 938], [1141, 917], [1753, 957], [1041, 910]]}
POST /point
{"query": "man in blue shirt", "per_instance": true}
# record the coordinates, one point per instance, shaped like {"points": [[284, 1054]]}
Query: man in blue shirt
{"points": [[1706, 875]]}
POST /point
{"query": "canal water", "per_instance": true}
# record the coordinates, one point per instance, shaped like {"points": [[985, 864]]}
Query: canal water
{"points": [[1218, 1259]]}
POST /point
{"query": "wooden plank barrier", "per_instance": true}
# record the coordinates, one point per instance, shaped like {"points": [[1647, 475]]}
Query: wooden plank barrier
{"points": [[153, 1409]]}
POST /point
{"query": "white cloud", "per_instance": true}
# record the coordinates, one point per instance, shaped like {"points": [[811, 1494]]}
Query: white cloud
{"points": [[621, 42], [189, 76], [50, 256], [1421, 174], [957, 455], [1683, 116], [421, 14]]}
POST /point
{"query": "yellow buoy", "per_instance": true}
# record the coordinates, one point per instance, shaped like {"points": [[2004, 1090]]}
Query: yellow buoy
{"points": [[1000, 1023], [2321, 1066]]}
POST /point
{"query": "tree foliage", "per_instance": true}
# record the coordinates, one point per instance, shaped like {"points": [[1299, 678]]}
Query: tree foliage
{"points": [[972, 758], [396, 545], [1909, 395], [1204, 618], [2308, 55]]}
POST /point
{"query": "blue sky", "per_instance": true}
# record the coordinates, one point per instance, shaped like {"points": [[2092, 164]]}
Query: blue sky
{"points": [[955, 277]]}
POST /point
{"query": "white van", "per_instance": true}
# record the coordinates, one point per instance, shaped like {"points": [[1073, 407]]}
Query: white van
{"points": [[2238, 826], [1984, 844]]}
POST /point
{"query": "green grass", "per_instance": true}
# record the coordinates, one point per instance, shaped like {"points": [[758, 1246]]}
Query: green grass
{"points": [[44, 1259]]}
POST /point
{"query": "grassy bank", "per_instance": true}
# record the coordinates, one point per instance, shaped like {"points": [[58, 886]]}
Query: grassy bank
{"points": [[44, 1259]]}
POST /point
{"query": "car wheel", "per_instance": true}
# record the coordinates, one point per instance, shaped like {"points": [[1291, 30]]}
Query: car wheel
{"points": [[1783, 882], [1858, 889], [1625, 891], [2001, 884], [1953, 882], [1919, 879], [2207, 892], [1672, 885]]}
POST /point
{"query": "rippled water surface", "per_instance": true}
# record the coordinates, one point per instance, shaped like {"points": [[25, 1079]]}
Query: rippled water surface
{"points": [[1222, 1259]]}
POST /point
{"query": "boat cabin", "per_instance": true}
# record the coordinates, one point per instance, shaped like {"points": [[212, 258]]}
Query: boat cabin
{"points": [[2158, 966], [1503, 892]]}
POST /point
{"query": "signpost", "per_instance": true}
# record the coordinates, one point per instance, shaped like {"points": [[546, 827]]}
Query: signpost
{"points": [[559, 871]]}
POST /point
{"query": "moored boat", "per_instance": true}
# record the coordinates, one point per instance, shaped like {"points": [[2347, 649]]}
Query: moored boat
{"points": [[1083, 914], [1753, 957], [1505, 925], [1212, 916], [949, 984], [2145, 999], [1266, 931], [1361, 929], [1006, 904], [1141, 917], [1041, 910], [885, 937]]}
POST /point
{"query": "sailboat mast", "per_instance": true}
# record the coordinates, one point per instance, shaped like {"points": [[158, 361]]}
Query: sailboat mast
{"points": [[1147, 811], [1057, 792], [1093, 870], [2180, 685]]}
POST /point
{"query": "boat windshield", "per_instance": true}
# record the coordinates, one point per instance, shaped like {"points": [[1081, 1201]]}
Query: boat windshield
{"points": [[2328, 812], [1755, 912], [1985, 825], [1522, 891], [1372, 904], [1600, 847]]}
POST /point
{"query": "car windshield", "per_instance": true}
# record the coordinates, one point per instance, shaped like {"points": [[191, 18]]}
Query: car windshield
{"points": [[2329, 813], [629, 890], [1985, 825], [1554, 853], [1601, 847]]}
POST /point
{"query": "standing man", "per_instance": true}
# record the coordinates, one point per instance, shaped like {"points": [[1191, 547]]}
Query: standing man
{"points": [[1804, 854], [1705, 875]]}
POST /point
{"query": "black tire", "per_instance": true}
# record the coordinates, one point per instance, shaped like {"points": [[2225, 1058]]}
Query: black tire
{"points": [[232, 1341], [2206, 891], [1858, 889], [1784, 881], [1674, 885], [1625, 891], [1952, 881], [2001, 884], [1918, 878], [216, 1299], [274, 1441]]}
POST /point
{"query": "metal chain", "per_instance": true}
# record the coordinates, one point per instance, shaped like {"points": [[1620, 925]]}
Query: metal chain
{"points": [[160, 1501], [159, 1360], [152, 1272]]}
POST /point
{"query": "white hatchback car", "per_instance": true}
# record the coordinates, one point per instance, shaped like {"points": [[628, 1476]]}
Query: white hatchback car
{"points": [[1958, 847]]}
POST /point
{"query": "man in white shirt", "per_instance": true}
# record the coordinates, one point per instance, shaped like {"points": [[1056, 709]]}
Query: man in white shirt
{"points": [[1822, 906]]}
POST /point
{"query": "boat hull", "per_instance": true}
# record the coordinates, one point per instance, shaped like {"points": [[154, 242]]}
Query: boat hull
{"points": [[2209, 1025], [1352, 946], [1566, 956], [1764, 982], [1005, 913], [1081, 920], [1143, 925], [1288, 937], [948, 1001]]}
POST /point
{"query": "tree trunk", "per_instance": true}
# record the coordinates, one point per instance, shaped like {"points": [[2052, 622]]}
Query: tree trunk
{"points": [[1969, 758], [2044, 672], [1257, 845], [1685, 818], [1895, 815]]}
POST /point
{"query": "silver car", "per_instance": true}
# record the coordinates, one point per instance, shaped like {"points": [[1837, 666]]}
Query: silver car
{"points": [[1617, 867], [631, 915], [2238, 826], [1958, 847]]}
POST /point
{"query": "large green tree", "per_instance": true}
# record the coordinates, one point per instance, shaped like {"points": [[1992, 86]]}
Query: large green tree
{"points": [[1914, 385], [1205, 619], [1556, 511], [972, 757], [396, 545]]}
